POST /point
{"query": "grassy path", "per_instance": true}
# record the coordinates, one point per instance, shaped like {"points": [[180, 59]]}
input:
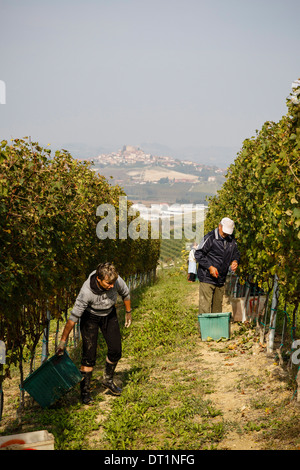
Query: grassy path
{"points": [[179, 393]]}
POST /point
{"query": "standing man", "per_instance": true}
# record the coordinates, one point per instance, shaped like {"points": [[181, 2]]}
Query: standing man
{"points": [[216, 253], [95, 307]]}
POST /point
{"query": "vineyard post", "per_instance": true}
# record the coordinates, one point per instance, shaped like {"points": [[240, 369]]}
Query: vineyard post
{"points": [[247, 298], [2, 362], [273, 315], [294, 320], [298, 385], [45, 349], [1, 392], [235, 288], [264, 313]]}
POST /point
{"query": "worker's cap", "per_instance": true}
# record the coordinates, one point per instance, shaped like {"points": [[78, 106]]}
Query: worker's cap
{"points": [[227, 225]]}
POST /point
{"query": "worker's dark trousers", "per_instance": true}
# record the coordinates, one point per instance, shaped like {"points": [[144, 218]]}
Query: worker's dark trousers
{"points": [[109, 326]]}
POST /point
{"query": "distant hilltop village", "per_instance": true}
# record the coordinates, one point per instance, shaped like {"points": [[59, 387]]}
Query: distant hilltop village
{"points": [[130, 155], [148, 178], [134, 156]]}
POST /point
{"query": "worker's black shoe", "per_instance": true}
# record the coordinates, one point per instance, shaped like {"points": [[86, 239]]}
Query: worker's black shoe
{"points": [[108, 379], [85, 388], [112, 387]]}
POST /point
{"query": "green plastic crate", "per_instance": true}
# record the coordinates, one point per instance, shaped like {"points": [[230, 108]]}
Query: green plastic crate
{"points": [[214, 325], [53, 379]]}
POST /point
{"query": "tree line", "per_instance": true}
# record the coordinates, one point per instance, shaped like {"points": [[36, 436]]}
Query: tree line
{"points": [[49, 244], [261, 194]]}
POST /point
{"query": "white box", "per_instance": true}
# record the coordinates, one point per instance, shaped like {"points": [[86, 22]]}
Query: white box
{"points": [[240, 311], [36, 440]]}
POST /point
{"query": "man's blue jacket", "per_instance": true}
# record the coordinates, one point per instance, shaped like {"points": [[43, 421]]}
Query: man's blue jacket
{"points": [[216, 251]]}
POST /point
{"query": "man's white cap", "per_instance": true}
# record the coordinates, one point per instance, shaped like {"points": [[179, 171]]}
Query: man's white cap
{"points": [[227, 225]]}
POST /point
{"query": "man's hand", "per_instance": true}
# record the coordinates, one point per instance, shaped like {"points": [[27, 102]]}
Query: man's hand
{"points": [[60, 348], [128, 319], [234, 266], [64, 338], [213, 271]]}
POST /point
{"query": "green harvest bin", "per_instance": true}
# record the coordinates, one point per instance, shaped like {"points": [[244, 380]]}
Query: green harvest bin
{"points": [[214, 325], [53, 379]]}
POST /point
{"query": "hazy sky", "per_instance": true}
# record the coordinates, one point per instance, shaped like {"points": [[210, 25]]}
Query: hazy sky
{"points": [[176, 72]]}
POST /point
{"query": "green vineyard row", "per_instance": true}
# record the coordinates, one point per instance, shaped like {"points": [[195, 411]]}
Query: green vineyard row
{"points": [[261, 194], [49, 242]]}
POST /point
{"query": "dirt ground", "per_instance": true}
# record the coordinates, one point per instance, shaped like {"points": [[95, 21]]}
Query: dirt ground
{"points": [[251, 390]]}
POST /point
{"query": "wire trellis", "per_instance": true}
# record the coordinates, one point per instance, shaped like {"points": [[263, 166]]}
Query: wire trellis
{"points": [[276, 324]]}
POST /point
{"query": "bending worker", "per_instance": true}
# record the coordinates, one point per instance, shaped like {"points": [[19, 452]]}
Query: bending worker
{"points": [[95, 307], [216, 253]]}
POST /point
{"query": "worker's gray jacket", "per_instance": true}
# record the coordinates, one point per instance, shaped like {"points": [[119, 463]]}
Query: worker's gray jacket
{"points": [[215, 251], [98, 301]]}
